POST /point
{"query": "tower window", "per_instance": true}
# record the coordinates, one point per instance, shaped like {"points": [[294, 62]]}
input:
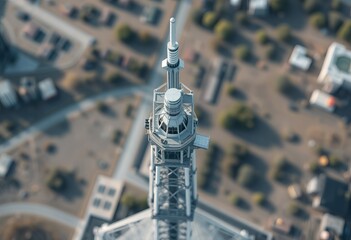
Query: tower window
{"points": [[172, 155]]}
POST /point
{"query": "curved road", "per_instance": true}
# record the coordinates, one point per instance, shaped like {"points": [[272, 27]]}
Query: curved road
{"points": [[41, 210]]}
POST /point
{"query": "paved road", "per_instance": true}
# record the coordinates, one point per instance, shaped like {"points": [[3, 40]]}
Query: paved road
{"points": [[40, 210], [62, 115]]}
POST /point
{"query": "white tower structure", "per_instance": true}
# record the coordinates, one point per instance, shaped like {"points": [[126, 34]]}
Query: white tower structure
{"points": [[173, 140], [173, 196]]}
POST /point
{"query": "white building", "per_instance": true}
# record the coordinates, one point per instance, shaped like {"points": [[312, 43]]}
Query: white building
{"points": [[336, 70], [8, 96], [323, 100], [105, 197], [47, 89], [258, 7], [5, 164], [299, 58]]}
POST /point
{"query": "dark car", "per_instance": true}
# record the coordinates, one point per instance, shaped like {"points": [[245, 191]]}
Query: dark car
{"points": [[23, 16], [55, 38]]}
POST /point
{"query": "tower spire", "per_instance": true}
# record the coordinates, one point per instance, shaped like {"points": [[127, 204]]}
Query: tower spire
{"points": [[172, 64]]}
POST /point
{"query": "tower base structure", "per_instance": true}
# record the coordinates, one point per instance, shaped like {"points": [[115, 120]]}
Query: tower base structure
{"points": [[140, 226]]}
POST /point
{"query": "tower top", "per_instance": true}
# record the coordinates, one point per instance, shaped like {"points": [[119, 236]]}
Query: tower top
{"points": [[172, 33]]}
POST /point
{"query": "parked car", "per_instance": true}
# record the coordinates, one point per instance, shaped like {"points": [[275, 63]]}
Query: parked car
{"points": [[23, 16]]}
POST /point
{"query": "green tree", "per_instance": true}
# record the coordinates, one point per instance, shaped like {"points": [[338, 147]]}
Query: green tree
{"points": [[283, 84], [240, 116], [278, 5], [224, 29], [345, 31], [209, 20], [125, 33], [243, 52], [241, 18], [259, 198], [318, 20], [246, 175], [270, 51], [261, 36], [283, 32], [145, 37], [334, 21], [114, 78], [311, 6], [336, 4]]}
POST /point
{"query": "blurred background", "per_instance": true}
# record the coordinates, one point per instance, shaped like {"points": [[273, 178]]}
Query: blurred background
{"points": [[271, 80]]}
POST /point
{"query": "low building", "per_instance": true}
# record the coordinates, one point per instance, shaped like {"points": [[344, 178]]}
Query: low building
{"points": [[47, 89], [336, 70], [258, 7], [329, 195], [106, 195], [332, 225], [8, 96], [323, 100], [299, 58], [5, 164]]}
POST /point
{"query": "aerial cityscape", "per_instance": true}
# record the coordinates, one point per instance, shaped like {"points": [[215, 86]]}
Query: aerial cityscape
{"points": [[175, 119]]}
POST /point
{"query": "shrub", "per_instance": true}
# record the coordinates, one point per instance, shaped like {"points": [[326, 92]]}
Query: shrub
{"points": [[56, 180], [231, 90], [262, 37], [270, 52], [334, 21], [239, 151], [318, 20], [311, 6], [246, 176], [258, 198], [145, 37], [243, 52], [133, 66], [334, 161], [125, 33], [278, 5], [117, 136], [134, 204], [313, 167], [235, 200], [224, 29], [283, 84], [102, 107], [283, 33], [293, 209], [345, 31], [197, 15], [239, 116], [241, 18], [209, 20], [114, 78], [336, 4]]}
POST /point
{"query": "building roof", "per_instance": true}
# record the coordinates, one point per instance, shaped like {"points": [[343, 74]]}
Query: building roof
{"points": [[258, 7], [323, 100], [299, 58], [332, 223], [106, 194], [8, 96], [47, 88], [5, 164], [337, 65], [332, 196]]}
